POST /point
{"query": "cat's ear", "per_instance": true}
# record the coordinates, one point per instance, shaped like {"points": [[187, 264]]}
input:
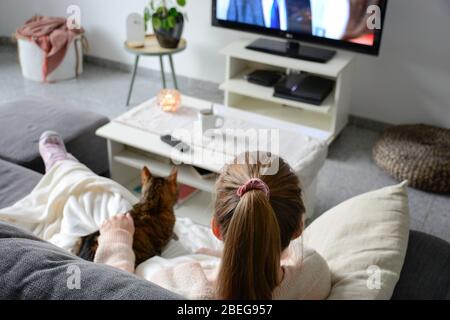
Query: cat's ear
{"points": [[173, 175], [146, 176]]}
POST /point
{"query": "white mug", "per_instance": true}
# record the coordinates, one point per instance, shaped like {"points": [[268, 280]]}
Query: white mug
{"points": [[208, 120]]}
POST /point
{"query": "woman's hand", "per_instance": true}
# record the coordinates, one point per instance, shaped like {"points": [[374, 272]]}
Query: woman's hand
{"points": [[115, 244], [120, 221]]}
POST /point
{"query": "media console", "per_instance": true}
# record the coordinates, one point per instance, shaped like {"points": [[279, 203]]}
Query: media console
{"points": [[324, 122]]}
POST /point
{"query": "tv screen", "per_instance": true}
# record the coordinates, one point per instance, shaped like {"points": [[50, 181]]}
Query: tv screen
{"points": [[349, 24]]}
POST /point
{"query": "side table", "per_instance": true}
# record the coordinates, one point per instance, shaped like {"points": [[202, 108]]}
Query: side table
{"points": [[152, 48]]}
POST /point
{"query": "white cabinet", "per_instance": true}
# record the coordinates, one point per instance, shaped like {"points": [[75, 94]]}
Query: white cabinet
{"points": [[324, 122]]}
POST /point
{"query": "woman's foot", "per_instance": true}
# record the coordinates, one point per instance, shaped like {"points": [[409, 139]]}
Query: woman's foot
{"points": [[53, 149]]}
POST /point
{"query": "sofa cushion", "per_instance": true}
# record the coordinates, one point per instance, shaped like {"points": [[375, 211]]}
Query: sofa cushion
{"points": [[33, 269], [426, 271], [16, 182], [23, 121], [364, 242]]}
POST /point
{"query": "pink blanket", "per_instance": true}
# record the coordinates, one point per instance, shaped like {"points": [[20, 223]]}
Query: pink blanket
{"points": [[53, 36]]}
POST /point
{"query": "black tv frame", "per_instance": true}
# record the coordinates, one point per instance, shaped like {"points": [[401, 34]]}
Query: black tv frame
{"points": [[340, 44]]}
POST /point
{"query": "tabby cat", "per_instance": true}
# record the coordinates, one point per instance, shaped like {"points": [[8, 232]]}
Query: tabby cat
{"points": [[153, 216]]}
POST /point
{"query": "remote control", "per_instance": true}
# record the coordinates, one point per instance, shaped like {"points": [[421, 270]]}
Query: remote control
{"points": [[171, 141]]}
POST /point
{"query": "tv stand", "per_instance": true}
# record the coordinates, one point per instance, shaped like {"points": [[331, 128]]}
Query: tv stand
{"points": [[323, 122], [292, 49]]}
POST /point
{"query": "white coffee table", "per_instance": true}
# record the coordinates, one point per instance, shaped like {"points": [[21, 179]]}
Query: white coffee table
{"points": [[131, 148]]}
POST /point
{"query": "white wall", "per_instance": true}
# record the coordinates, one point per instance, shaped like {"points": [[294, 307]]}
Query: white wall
{"points": [[104, 21], [409, 82]]}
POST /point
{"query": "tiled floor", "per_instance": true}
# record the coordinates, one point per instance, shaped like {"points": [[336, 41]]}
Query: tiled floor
{"points": [[349, 170]]}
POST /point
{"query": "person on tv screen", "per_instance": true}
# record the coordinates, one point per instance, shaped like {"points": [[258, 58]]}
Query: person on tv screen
{"points": [[332, 19], [292, 15]]}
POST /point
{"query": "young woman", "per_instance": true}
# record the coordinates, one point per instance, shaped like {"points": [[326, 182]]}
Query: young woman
{"points": [[256, 216]]}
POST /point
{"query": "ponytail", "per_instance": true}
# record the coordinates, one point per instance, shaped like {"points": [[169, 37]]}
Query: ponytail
{"points": [[252, 251], [257, 215]]}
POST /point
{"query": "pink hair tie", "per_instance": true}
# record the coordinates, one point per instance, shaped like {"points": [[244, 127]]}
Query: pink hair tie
{"points": [[253, 184]]}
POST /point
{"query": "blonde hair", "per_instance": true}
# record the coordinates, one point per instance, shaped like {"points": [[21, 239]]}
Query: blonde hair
{"points": [[256, 227]]}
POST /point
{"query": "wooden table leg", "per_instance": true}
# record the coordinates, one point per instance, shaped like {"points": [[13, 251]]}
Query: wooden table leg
{"points": [[174, 76], [136, 63], [163, 75]]}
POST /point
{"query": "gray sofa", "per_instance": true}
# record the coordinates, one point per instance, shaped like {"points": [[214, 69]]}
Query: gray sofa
{"points": [[21, 124], [33, 269], [23, 121]]}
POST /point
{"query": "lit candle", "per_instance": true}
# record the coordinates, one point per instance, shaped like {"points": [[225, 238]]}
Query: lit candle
{"points": [[169, 100]]}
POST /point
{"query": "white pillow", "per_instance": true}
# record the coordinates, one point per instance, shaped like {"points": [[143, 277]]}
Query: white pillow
{"points": [[364, 242]]}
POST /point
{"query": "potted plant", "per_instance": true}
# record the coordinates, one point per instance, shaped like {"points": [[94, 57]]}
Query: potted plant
{"points": [[167, 21]]}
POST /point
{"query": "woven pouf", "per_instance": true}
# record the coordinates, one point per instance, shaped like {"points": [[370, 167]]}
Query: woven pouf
{"points": [[418, 153]]}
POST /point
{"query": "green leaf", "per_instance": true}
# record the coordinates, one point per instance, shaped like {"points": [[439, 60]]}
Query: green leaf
{"points": [[181, 3], [146, 15], [156, 22], [161, 11], [171, 22], [173, 12], [165, 24]]}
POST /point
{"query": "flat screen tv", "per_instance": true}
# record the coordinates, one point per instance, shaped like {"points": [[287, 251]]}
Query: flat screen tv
{"points": [[354, 25]]}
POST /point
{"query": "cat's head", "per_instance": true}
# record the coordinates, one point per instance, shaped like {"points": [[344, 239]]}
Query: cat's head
{"points": [[159, 192]]}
